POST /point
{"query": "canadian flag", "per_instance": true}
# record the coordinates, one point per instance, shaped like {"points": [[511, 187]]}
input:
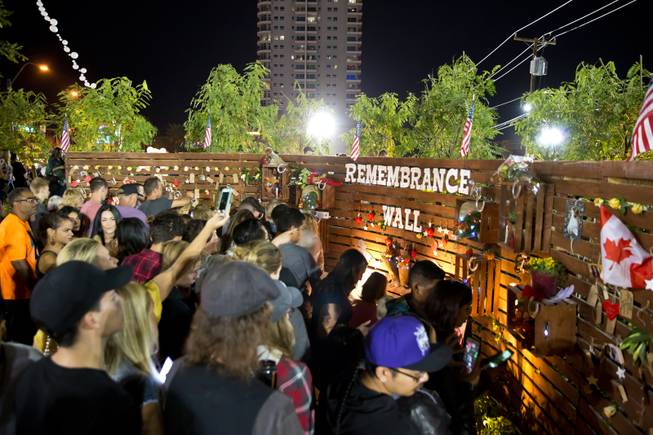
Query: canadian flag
{"points": [[625, 262]]}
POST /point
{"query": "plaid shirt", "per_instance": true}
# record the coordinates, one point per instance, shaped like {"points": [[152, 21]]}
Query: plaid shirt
{"points": [[146, 264], [295, 381]]}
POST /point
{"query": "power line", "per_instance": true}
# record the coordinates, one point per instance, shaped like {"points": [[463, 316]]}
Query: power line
{"points": [[564, 33], [511, 61], [583, 17], [506, 102], [597, 18], [520, 29]]}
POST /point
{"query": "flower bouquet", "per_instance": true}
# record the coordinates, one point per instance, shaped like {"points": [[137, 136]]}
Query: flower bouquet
{"points": [[545, 274]]}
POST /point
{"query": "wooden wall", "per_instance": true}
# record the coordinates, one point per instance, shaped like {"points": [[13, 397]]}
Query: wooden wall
{"points": [[551, 393]]}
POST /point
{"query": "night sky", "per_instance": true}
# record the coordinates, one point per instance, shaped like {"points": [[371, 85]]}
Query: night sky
{"points": [[174, 44]]}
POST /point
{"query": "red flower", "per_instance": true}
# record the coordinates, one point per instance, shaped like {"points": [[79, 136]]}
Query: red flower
{"points": [[371, 216], [413, 254], [176, 183], [531, 292], [430, 232], [358, 220], [388, 242], [74, 183]]}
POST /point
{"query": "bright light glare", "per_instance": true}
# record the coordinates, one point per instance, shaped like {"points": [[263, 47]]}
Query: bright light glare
{"points": [[43, 67], [74, 94], [321, 125], [550, 136], [527, 107]]}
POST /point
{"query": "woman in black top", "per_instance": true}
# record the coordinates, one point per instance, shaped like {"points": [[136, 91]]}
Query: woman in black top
{"points": [[336, 348]]}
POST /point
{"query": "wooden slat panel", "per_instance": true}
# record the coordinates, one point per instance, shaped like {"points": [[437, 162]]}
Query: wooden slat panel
{"points": [[539, 220], [528, 227]]}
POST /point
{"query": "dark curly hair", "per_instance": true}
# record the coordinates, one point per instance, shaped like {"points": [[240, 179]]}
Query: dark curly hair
{"points": [[228, 343]]}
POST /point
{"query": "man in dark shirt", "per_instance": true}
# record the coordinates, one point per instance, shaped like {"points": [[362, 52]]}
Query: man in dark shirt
{"points": [[424, 276], [398, 357], [155, 202], [70, 393], [212, 390]]}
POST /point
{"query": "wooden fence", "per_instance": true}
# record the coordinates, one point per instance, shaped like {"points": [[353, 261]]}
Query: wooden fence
{"points": [[553, 394]]}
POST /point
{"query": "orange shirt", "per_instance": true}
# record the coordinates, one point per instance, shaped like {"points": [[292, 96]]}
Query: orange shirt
{"points": [[15, 244]]}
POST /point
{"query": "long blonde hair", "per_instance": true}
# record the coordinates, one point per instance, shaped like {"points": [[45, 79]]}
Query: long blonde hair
{"points": [[171, 250], [83, 249], [267, 256], [261, 253], [282, 336], [72, 198], [136, 342]]}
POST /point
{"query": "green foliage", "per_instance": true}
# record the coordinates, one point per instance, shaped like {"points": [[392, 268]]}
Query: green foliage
{"points": [[9, 50], [288, 133], [23, 121], [431, 125], [598, 111], [107, 118], [491, 417], [233, 101], [442, 110], [383, 120]]}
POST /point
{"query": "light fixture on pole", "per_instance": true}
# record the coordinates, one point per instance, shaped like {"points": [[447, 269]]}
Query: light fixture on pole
{"points": [[321, 125], [550, 136], [41, 66]]}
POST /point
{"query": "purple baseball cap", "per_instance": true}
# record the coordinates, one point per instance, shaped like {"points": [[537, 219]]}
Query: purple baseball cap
{"points": [[402, 342]]}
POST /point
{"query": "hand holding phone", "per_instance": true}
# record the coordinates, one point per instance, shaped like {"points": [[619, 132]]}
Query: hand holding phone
{"points": [[472, 348], [224, 200], [496, 360]]}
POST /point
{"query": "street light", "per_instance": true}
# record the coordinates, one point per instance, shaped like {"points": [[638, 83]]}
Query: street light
{"points": [[321, 125], [550, 136], [41, 66]]}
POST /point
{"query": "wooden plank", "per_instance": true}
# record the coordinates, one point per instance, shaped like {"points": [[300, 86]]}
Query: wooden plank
{"points": [[519, 224], [539, 219], [640, 170], [528, 227], [548, 206]]}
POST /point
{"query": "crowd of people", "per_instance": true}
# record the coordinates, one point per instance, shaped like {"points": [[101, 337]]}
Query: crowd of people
{"points": [[128, 312]]}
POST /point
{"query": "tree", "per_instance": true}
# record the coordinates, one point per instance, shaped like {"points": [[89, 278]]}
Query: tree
{"points": [[233, 103], [288, 132], [442, 110], [23, 121], [431, 125], [108, 117], [9, 50], [597, 111], [383, 123]]}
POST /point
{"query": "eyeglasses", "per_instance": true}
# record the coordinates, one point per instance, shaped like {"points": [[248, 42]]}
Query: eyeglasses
{"points": [[417, 378], [32, 200]]}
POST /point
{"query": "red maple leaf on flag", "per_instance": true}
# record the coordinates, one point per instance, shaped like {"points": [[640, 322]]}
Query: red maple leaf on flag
{"points": [[618, 251]]}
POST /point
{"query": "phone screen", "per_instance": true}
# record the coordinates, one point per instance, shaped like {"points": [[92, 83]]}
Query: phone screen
{"points": [[498, 359], [471, 354], [224, 200]]}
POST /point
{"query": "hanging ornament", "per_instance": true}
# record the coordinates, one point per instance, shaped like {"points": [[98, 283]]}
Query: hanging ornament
{"points": [[429, 232], [370, 216]]}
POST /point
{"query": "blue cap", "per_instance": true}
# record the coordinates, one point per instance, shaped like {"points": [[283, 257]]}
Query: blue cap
{"points": [[402, 342]]}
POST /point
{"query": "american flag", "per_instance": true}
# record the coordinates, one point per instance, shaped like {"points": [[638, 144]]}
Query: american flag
{"points": [[642, 140], [355, 146], [467, 131], [65, 137], [208, 135]]}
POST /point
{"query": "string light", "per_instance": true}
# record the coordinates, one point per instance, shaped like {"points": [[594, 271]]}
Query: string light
{"points": [[72, 54]]}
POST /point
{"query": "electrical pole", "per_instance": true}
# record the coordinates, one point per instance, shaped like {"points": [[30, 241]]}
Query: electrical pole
{"points": [[538, 63]]}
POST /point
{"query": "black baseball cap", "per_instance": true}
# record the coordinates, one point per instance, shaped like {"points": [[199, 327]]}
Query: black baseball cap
{"points": [[235, 289], [62, 297], [129, 189]]}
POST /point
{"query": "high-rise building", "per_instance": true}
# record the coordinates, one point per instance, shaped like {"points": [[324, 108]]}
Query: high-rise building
{"points": [[315, 45]]}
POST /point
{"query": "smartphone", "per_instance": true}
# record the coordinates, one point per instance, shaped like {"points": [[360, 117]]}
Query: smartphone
{"points": [[496, 360], [165, 369], [470, 356], [224, 201]]}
